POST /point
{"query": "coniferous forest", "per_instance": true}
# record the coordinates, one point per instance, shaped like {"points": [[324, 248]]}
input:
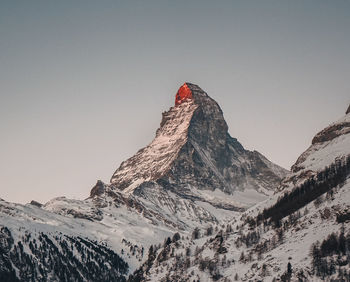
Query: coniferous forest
{"points": [[327, 179], [330, 255], [58, 257]]}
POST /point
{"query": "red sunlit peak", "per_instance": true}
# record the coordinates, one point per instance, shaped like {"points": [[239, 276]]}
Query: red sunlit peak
{"points": [[182, 94]]}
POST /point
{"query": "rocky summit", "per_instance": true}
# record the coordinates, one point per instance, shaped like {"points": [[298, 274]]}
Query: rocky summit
{"points": [[193, 153]]}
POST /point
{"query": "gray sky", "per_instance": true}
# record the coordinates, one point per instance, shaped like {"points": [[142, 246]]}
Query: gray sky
{"points": [[83, 83]]}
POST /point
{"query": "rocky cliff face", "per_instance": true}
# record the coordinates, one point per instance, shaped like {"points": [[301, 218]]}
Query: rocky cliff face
{"points": [[341, 127], [153, 161], [192, 151]]}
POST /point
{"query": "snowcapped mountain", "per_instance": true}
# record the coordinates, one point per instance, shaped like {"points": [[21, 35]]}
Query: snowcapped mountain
{"points": [[193, 205], [191, 175], [193, 153], [193, 171], [300, 233], [328, 146]]}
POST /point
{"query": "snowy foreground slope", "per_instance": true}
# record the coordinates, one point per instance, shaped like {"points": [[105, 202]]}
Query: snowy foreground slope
{"points": [[301, 233]]}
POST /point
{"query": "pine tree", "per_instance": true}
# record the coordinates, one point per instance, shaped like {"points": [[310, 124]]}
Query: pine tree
{"points": [[195, 234]]}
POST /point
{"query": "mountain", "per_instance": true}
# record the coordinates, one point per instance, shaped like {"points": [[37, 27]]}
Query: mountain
{"points": [[192, 176], [193, 153], [301, 233], [193, 171], [328, 146]]}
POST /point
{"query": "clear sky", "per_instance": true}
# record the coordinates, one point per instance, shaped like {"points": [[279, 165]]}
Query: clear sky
{"points": [[83, 83]]}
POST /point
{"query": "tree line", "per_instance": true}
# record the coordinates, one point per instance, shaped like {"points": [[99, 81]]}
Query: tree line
{"points": [[325, 180], [331, 255]]}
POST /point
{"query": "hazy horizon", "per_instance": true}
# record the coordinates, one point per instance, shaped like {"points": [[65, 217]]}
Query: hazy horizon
{"points": [[83, 84]]}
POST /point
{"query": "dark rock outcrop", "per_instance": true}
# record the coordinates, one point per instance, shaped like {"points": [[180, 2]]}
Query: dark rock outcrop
{"points": [[35, 203], [98, 189], [331, 132]]}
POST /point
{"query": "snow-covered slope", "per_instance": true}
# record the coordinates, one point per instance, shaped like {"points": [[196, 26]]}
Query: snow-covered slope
{"points": [[240, 253], [306, 238], [37, 245], [151, 162], [327, 146], [127, 234]]}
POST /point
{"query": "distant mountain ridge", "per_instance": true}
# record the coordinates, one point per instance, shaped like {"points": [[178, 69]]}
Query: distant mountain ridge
{"points": [[327, 146]]}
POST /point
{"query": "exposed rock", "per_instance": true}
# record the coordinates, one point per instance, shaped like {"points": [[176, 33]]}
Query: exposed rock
{"points": [[183, 94], [96, 215], [332, 132], [75, 208], [343, 216], [334, 137], [348, 110], [35, 203], [98, 189], [329, 145], [6, 240]]}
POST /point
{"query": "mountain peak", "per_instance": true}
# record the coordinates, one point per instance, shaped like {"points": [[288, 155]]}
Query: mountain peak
{"points": [[193, 151], [183, 94], [329, 144], [190, 91]]}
